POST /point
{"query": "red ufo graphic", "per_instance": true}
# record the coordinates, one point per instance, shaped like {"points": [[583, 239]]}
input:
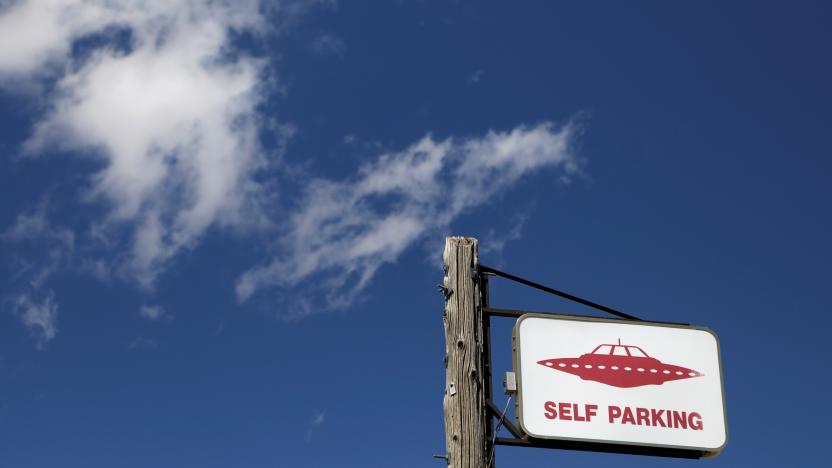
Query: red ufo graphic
{"points": [[618, 365]]}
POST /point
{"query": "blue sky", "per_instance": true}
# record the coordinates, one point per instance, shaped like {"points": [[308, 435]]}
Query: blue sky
{"points": [[222, 221]]}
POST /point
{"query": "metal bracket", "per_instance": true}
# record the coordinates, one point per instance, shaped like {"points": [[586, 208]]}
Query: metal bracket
{"points": [[519, 439], [446, 457], [594, 305], [446, 291], [507, 423]]}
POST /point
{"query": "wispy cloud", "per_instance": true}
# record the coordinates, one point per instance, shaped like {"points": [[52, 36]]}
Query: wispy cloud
{"points": [[54, 244], [34, 225], [154, 313], [342, 232], [34, 304], [316, 421], [39, 315], [477, 76]]}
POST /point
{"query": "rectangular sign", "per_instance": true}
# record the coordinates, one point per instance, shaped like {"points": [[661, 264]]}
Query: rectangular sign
{"points": [[619, 382]]}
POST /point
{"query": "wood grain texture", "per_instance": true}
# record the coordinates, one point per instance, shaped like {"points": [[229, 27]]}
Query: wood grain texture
{"points": [[464, 403]]}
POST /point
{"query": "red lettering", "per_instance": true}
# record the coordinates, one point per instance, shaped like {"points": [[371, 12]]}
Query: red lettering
{"points": [[656, 417], [628, 416], [565, 411], [591, 410], [614, 413], [695, 421], [643, 416], [647, 417], [551, 410], [680, 419], [578, 416]]}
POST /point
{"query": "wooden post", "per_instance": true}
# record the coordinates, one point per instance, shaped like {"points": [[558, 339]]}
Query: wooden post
{"points": [[464, 403]]}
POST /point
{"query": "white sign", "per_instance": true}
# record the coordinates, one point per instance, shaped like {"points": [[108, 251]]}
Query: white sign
{"points": [[619, 382]]}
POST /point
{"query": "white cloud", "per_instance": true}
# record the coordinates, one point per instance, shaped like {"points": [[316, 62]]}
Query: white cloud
{"points": [[54, 245], [37, 36], [34, 225], [39, 316], [171, 115], [34, 34], [343, 231], [153, 312]]}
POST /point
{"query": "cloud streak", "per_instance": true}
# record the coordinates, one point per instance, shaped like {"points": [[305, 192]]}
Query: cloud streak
{"points": [[34, 305], [342, 232], [40, 316], [153, 313]]}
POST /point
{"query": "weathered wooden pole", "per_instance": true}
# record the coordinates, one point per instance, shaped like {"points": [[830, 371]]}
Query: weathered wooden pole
{"points": [[464, 401]]}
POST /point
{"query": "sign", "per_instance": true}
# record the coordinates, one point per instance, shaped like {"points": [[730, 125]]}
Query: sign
{"points": [[619, 382]]}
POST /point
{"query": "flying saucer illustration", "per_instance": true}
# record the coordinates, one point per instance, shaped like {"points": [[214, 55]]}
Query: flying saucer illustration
{"points": [[618, 365]]}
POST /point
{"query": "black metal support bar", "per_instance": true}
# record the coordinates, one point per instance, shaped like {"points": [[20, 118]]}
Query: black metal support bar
{"points": [[514, 313], [495, 412], [486, 366], [489, 312], [485, 269], [595, 447]]}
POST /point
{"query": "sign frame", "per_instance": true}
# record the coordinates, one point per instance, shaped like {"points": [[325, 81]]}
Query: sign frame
{"points": [[614, 446]]}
